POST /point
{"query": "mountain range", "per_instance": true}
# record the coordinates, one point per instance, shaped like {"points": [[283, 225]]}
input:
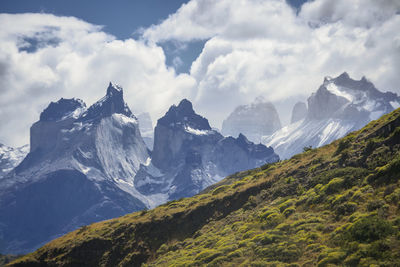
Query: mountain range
{"points": [[339, 106], [337, 205], [88, 164]]}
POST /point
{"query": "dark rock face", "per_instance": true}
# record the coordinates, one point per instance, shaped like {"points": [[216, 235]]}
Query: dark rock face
{"points": [[299, 112], [255, 120], [171, 133], [324, 104], [189, 155]]}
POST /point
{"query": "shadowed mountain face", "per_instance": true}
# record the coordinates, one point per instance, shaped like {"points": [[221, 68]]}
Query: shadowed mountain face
{"points": [[189, 156], [339, 106], [255, 120]]}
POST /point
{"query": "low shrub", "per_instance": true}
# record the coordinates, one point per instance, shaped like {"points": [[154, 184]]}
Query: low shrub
{"points": [[333, 186], [369, 229]]}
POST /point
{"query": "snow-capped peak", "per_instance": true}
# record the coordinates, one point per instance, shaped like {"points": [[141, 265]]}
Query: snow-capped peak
{"points": [[183, 116], [349, 99], [340, 105], [62, 109], [114, 87], [112, 102]]}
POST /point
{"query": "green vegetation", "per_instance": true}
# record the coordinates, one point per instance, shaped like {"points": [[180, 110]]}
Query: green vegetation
{"points": [[333, 206]]}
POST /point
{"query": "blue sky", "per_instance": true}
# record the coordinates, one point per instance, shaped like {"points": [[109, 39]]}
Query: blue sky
{"points": [[218, 54], [121, 18]]}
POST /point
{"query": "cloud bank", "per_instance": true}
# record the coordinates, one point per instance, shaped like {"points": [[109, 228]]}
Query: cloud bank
{"points": [[253, 48], [265, 48]]}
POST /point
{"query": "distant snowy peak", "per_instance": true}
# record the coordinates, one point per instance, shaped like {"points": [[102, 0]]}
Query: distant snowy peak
{"points": [[11, 157], [346, 98], [184, 117], [254, 120], [339, 106]]}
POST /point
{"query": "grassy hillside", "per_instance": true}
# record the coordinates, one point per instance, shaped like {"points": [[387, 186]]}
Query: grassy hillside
{"points": [[336, 205]]}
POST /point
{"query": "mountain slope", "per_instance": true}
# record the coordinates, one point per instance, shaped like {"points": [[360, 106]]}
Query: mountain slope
{"points": [[338, 204], [339, 106]]}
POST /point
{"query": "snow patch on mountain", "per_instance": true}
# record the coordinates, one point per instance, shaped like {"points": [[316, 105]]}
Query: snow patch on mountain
{"points": [[10, 157], [196, 131]]}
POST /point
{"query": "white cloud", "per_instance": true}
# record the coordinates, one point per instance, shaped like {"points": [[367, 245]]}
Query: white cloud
{"points": [[358, 13], [239, 19], [76, 59], [264, 48]]}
